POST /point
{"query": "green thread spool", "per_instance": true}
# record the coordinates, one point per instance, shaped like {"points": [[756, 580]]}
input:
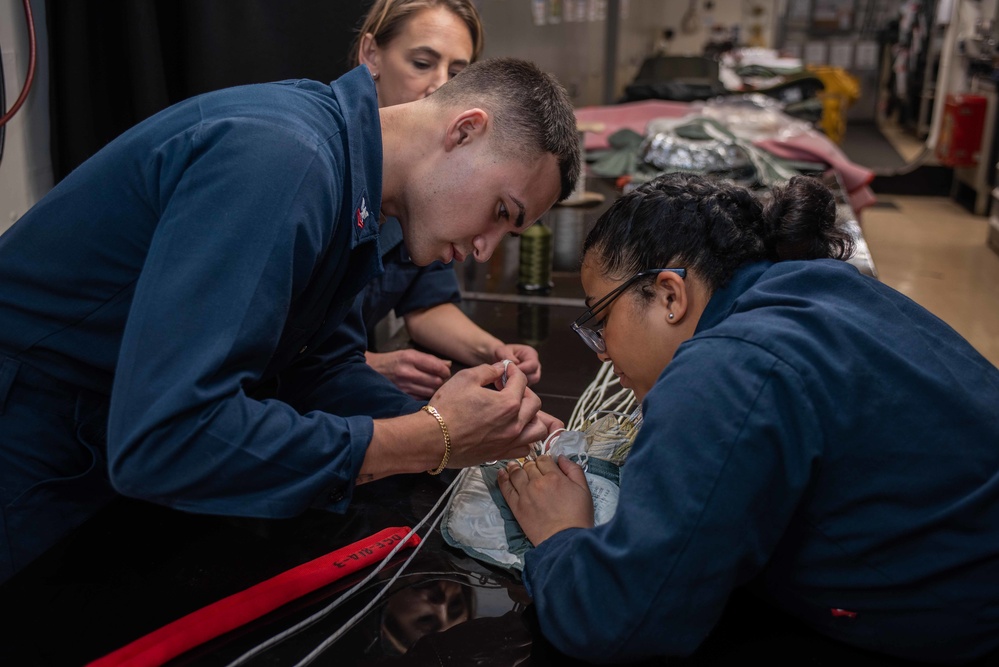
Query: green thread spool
{"points": [[532, 323], [536, 248]]}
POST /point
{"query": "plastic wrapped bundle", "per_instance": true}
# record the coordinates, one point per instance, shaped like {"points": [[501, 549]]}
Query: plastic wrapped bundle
{"points": [[477, 519], [705, 146], [668, 151]]}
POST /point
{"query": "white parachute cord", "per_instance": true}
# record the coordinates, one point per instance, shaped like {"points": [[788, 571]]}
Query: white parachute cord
{"points": [[595, 398], [301, 625], [625, 401], [592, 396], [359, 615]]}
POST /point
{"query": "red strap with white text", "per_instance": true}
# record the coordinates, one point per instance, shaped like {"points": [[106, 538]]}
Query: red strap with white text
{"points": [[231, 612]]}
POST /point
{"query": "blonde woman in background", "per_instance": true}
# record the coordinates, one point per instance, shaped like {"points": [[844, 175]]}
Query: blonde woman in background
{"points": [[412, 47]]}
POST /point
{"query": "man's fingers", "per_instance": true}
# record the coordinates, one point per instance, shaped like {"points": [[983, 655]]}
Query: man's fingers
{"points": [[550, 422], [484, 374], [518, 450], [533, 432], [530, 406], [515, 378]]}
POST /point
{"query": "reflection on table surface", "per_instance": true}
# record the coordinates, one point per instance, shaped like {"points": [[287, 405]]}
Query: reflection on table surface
{"points": [[136, 567]]}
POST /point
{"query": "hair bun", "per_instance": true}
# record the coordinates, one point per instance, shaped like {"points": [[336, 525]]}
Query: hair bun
{"points": [[800, 223]]}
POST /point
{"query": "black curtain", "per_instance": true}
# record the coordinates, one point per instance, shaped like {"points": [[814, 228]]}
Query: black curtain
{"points": [[116, 62]]}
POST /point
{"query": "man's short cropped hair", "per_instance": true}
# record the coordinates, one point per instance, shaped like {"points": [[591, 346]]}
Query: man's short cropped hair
{"points": [[529, 109]]}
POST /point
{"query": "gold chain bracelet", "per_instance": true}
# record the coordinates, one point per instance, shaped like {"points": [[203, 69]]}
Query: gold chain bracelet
{"points": [[432, 411]]}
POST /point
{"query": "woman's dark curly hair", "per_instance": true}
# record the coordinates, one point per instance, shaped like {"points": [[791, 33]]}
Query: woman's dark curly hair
{"points": [[713, 228]]}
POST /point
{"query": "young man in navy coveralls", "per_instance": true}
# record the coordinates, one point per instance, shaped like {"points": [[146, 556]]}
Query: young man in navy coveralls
{"points": [[168, 312]]}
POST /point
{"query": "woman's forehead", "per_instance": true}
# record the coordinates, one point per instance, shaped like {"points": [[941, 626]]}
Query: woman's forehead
{"points": [[595, 283]]}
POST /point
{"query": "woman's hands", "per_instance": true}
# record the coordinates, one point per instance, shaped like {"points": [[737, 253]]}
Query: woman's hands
{"points": [[525, 356], [420, 374], [450, 333], [547, 496]]}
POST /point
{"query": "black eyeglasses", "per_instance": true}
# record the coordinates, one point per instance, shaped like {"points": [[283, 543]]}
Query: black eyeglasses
{"points": [[593, 338]]}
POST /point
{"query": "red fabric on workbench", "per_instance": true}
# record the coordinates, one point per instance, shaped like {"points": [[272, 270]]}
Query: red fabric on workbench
{"points": [[240, 608]]}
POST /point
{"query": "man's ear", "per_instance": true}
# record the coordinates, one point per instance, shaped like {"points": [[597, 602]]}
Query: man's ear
{"points": [[368, 53], [467, 126], [671, 293]]}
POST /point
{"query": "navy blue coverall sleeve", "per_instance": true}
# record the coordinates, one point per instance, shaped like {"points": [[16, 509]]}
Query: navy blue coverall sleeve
{"points": [[329, 379], [404, 286], [712, 480], [237, 239], [433, 285]]}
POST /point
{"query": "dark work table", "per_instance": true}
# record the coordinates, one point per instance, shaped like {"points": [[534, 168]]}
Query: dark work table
{"points": [[136, 566]]}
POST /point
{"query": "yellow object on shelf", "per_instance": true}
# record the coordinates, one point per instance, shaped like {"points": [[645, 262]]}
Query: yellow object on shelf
{"points": [[841, 90]]}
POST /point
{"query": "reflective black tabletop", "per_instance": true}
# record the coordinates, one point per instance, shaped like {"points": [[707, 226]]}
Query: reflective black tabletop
{"points": [[136, 566]]}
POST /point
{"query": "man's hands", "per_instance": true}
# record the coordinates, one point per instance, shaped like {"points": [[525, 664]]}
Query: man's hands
{"points": [[486, 421], [417, 373], [547, 497], [486, 424]]}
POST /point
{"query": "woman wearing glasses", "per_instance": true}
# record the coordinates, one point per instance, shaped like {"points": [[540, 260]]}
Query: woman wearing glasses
{"points": [[809, 434]]}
